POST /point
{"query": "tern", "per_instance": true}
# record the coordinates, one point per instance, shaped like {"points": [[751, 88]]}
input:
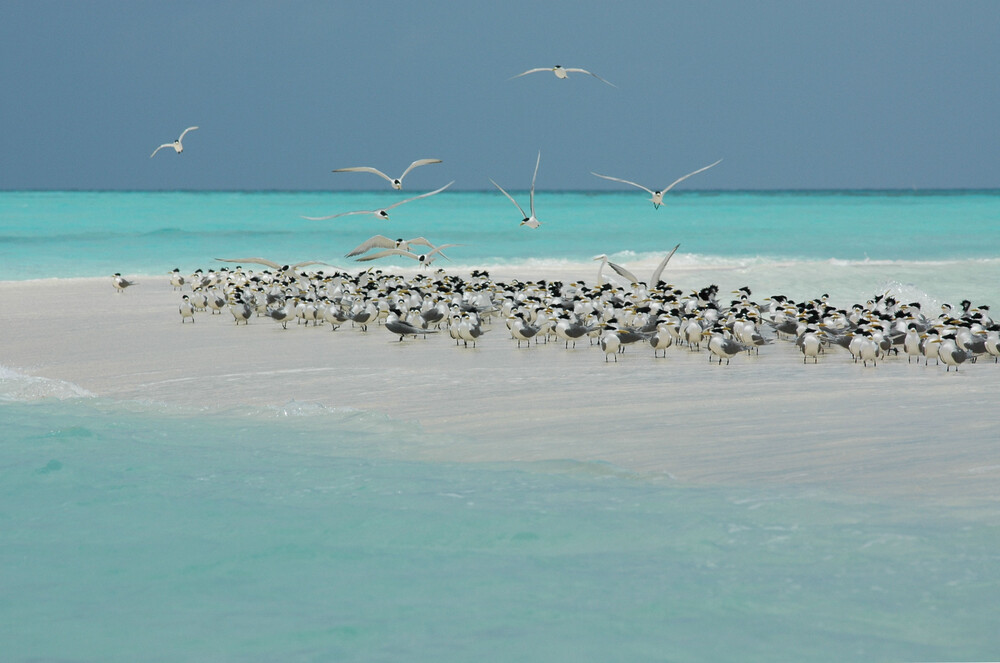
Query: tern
{"points": [[657, 196], [530, 221], [562, 72], [396, 183], [178, 147], [120, 282], [383, 242], [381, 213], [424, 259], [273, 265]]}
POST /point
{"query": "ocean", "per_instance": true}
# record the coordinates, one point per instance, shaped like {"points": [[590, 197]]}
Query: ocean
{"points": [[140, 530]]}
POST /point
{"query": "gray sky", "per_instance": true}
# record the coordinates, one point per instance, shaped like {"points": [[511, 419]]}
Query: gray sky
{"points": [[792, 95]]}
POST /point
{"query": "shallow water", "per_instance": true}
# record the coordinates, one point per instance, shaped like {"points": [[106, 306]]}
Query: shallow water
{"points": [[139, 530], [131, 530]]}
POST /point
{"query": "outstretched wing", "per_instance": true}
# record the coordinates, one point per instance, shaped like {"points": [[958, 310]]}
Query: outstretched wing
{"points": [[380, 241], [440, 249], [423, 195], [584, 71], [531, 199], [365, 169], [623, 272], [184, 133], [655, 278], [257, 261], [388, 252], [510, 198], [416, 164], [306, 263], [420, 240], [676, 182], [618, 179], [334, 216], [160, 148], [530, 71]]}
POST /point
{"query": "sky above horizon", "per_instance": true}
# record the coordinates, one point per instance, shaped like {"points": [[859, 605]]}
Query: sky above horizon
{"points": [[791, 94]]}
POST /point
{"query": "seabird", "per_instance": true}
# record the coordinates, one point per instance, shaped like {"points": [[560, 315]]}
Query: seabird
{"points": [[120, 282], [424, 259], [186, 309], [657, 196], [562, 72], [397, 326], [176, 280], [610, 343], [383, 242], [530, 221], [178, 147], [381, 213], [396, 183]]}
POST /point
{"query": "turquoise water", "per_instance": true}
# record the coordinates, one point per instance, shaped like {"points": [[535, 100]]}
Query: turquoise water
{"points": [[133, 532], [138, 531], [72, 234]]}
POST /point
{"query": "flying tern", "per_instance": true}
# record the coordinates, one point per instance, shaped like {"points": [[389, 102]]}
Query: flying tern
{"points": [[657, 196], [562, 72], [396, 183], [381, 213], [529, 221], [178, 147]]}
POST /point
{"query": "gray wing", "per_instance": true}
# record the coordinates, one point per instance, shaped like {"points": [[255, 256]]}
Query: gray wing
{"points": [[310, 262], [439, 249], [584, 71], [419, 240], [618, 179], [334, 216], [623, 272], [379, 241], [364, 169], [417, 163], [257, 261], [510, 198], [386, 253], [530, 71], [423, 195], [531, 200], [676, 182], [655, 278]]}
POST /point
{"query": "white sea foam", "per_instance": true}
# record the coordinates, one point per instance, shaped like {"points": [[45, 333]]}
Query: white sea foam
{"points": [[17, 386]]}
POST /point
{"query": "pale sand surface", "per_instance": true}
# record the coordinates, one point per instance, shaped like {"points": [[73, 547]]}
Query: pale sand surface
{"points": [[896, 430]]}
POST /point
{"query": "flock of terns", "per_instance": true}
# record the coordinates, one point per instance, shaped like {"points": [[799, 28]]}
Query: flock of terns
{"points": [[612, 316], [609, 315]]}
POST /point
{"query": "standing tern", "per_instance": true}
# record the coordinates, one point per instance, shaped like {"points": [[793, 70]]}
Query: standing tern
{"points": [[530, 221], [657, 196], [381, 213], [178, 147], [562, 72], [396, 183]]}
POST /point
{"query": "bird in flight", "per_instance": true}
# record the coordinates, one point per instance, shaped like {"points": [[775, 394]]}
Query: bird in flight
{"points": [[383, 242], [381, 213], [657, 196], [530, 221], [562, 72], [178, 147], [396, 183]]}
